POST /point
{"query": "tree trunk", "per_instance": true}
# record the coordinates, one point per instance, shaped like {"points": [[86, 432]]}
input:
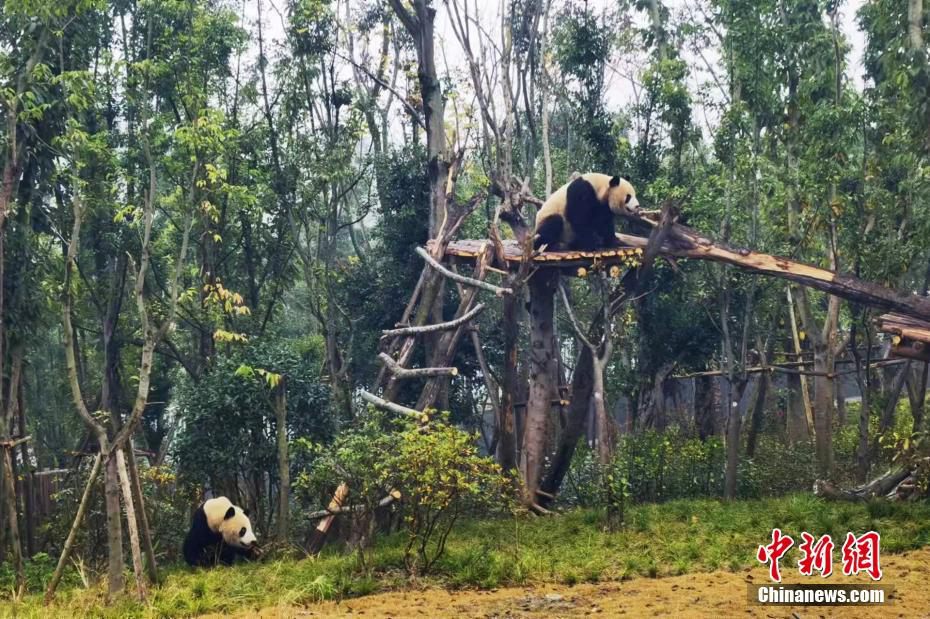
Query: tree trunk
{"points": [[917, 395], [507, 443], [606, 432], [582, 386], [734, 424], [284, 469], [138, 499], [114, 526], [894, 395], [28, 477], [543, 371], [134, 548], [915, 15], [706, 405], [758, 412], [823, 405], [9, 496]]}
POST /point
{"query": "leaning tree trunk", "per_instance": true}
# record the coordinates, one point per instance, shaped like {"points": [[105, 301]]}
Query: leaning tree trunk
{"points": [[582, 386], [134, 546]]}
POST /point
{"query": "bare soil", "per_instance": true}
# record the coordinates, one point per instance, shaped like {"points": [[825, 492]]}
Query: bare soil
{"points": [[716, 594]]}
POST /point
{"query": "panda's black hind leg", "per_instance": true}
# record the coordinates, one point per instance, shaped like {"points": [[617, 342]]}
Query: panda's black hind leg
{"points": [[549, 232]]}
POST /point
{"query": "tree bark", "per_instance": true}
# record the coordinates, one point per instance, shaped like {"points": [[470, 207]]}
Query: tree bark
{"points": [[543, 371], [111, 490], [12, 518], [284, 468], [915, 15], [138, 499], [134, 547]]}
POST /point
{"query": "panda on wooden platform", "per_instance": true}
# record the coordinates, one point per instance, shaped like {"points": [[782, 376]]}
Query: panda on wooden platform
{"points": [[220, 532], [580, 214]]}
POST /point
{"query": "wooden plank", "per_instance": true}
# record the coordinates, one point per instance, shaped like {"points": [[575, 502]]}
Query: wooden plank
{"points": [[683, 242]]}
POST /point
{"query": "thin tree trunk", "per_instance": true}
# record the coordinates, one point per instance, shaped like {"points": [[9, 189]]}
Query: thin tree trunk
{"points": [[284, 469], [28, 477], [72, 533], [12, 518], [134, 547], [144, 528], [507, 444], [796, 340], [888, 414], [915, 13]]}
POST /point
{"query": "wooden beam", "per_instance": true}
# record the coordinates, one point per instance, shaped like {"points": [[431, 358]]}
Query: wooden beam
{"points": [[468, 281], [442, 326], [683, 242], [404, 373]]}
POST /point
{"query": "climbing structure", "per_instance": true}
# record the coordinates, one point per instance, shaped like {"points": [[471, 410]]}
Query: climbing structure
{"points": [[907, 320]]}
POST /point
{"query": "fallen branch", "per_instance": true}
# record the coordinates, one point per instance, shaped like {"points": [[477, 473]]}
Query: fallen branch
{"points": [[333, 511], [442, 326], [879, 487], [390, 406], [403, 373], [468, 281]]}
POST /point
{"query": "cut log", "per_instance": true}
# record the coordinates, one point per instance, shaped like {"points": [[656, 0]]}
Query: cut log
{"points": [[404, 373], [318, 539], [882, 486]]}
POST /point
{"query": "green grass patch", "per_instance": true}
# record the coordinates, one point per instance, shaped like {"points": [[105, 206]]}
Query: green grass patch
{"points": [[672, 538]]}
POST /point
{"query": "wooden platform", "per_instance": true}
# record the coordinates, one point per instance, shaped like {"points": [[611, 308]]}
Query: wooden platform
{"points": [[469, 249], [910, 336]]}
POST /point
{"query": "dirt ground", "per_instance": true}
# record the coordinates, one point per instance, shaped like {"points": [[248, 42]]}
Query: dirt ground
{"points": [[716, 594]]}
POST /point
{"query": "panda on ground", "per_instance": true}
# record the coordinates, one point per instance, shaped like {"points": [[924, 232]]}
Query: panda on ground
{"points": [[580, 214], [220, 532]]}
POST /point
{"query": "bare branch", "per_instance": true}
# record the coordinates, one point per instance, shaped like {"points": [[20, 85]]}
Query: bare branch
{"points": [[442, 326], [468, 281]]}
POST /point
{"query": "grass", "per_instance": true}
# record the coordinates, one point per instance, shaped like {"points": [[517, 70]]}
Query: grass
{"points": [[672, 538]]}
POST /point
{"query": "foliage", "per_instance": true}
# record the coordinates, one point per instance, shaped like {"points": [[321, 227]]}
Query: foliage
{"points": [[441, 478], [434, 470], [228, 423]]}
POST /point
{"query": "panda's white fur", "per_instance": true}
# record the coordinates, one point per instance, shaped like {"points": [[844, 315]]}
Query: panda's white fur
{"points": [[229, 525], [579, 214]]}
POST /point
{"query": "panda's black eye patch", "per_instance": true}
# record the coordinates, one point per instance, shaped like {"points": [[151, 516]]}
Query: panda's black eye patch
{"points": [[628, 196], [241, 531]]}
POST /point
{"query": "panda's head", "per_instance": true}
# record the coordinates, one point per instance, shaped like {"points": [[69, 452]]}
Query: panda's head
{"points": [[231, 522], [621, 197]]}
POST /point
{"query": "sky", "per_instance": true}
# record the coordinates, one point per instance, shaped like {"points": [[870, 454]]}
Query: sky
{"points": [[618, 82]]}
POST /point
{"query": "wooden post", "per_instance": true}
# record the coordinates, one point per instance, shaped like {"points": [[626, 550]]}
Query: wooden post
{"points": [[543, 372]]}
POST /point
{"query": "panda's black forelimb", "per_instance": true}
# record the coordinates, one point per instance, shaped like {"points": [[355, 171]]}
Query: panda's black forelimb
{"points": [[548, 232], [199, 540]]}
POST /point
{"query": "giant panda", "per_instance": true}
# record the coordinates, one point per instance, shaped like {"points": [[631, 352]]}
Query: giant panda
{"points": [[220, 531], [580, 214]]}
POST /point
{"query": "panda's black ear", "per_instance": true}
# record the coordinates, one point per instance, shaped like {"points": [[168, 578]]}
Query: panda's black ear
{"points": [[614, 181], [230, 513]]}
